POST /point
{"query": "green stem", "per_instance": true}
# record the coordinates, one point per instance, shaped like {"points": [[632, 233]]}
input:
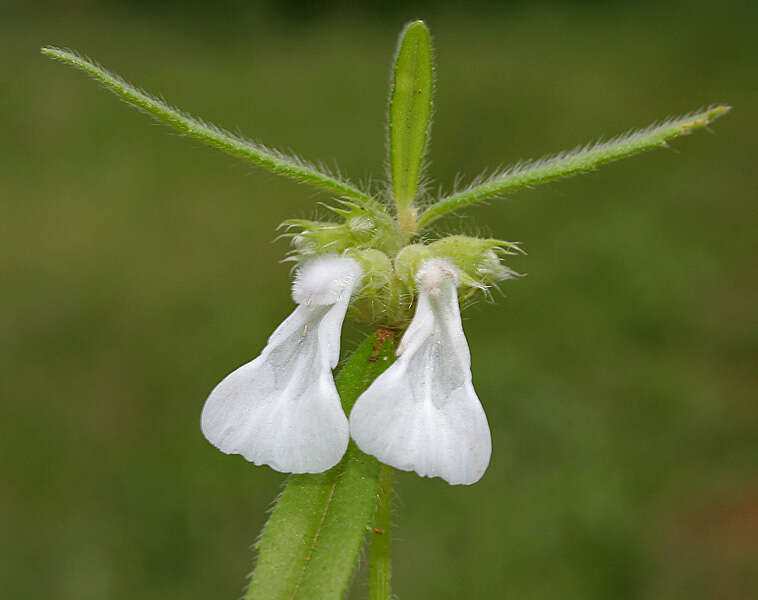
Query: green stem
{"points": [[572, 163], [310, 546], [259, 155], [380, 563]]}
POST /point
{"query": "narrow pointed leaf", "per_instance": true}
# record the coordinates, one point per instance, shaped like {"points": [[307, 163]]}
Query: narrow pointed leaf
{"points": [[565, 164], [310, 546], [410, 111], [261, 156]]}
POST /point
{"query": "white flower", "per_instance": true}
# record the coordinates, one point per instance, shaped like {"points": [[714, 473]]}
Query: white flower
{"points": [[282, 409], [422, 413]]}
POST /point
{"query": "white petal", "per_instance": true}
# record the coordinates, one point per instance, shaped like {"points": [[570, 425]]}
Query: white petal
{"points": [[422, 414], [326, 279], [282, 409]]}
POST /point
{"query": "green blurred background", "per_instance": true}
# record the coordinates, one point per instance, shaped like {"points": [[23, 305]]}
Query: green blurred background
{"points": [[137, 268]]}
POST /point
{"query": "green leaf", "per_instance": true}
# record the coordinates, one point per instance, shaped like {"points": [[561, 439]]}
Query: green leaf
{"points": [[410, 112], [565, 164], [310, 546], [261, 156]]}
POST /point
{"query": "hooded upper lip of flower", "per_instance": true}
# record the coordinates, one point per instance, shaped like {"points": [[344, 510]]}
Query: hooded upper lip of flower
{"points": [[282, 409], [422, 413]]}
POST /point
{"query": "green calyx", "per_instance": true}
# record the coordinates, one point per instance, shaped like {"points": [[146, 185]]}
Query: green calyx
{"points": [[477, 259], [379, 297], [388, 290], [363, 226]]}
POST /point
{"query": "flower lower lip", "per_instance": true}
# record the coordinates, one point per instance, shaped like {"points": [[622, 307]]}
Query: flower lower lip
{"points": [[282, 409]]}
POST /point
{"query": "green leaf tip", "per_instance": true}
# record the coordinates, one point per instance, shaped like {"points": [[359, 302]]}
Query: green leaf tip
{"points": [[267, 158], [410, 113], [565, 164], [704, 118]]}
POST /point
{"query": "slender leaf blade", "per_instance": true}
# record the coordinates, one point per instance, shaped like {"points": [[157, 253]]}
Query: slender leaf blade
{"points": [[258, 154], [565, 164], [410, 111]]}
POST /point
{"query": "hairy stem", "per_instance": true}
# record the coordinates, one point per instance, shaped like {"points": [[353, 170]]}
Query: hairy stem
{"points": [[571, 163], [259, 155], [380, 560]]}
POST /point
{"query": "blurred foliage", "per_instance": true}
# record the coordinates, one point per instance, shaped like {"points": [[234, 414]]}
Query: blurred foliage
{"points": [[619, 377]]}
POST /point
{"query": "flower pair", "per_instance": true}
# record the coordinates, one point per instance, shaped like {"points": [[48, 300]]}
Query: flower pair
{"points": [[422, 414]]}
